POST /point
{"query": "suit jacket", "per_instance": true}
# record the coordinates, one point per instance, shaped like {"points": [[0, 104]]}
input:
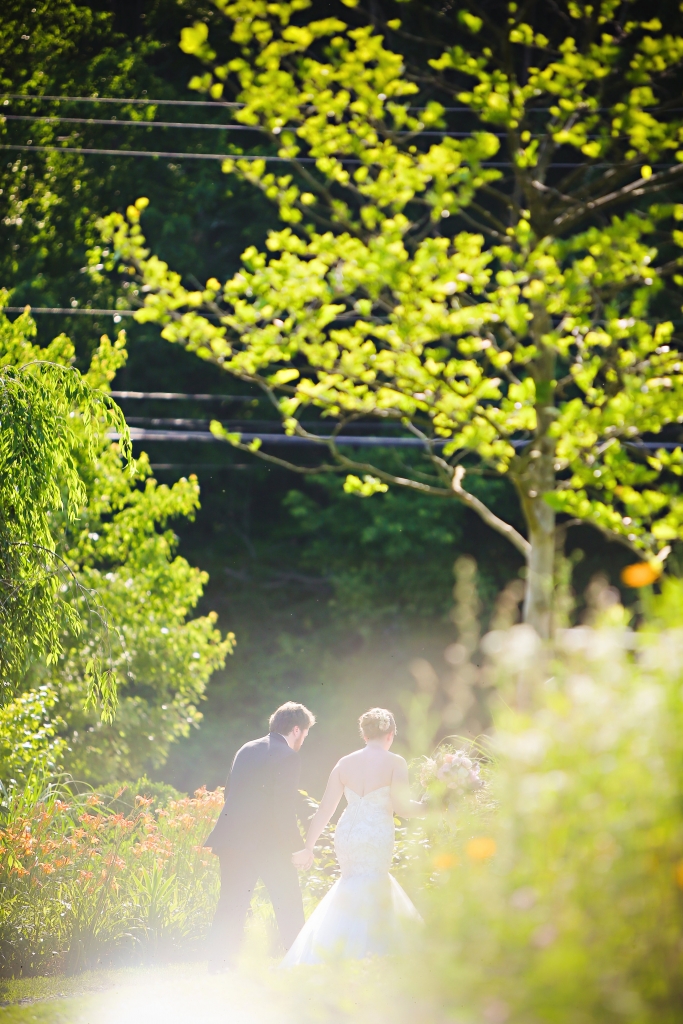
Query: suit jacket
{"points": [[260, 799]]}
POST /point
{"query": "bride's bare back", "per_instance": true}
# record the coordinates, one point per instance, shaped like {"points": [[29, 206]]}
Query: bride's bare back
{"points": [[370, 768], [363, 771]]}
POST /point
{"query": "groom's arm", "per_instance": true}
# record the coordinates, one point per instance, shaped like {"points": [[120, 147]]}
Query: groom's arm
{"points": [[287, 774]]}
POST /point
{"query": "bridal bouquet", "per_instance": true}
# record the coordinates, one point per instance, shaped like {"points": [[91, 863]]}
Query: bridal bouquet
{"points": [[451, 770]]}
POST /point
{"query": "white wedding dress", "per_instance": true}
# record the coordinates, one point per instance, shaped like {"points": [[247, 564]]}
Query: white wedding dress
{"points": [[366, 912]]}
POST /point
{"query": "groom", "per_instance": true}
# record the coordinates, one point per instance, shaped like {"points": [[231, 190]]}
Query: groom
{"points": [[257, 832]]}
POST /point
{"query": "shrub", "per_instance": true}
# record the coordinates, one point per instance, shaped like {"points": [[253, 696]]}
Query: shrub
{"points": [[83, 882], [559, 899]]}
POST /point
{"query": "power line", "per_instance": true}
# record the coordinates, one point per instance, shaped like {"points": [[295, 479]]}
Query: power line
{"points": [[272, 159], [353, 441], [218, 104], [113, 122], [68, 311], [115, 99], [230, 103], [172, 156], [118, 313], [195, 103], [86, 311], [283, 159], [204, 436], [179, 396], [197, 466], [358, 428]]}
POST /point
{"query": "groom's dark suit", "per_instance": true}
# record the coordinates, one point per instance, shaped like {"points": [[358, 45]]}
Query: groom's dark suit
{"points": [[254, 838]]}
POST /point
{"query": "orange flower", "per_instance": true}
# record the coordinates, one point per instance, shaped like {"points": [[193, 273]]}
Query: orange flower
{"points": [[679, 874], [641, 574], [481, 848], [444, 861]]}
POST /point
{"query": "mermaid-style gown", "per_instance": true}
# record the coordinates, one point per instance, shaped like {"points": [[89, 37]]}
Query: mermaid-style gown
{"points": [[366, 912]]}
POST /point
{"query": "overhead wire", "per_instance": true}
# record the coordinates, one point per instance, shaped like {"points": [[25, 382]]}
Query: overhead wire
{"points": [[176, 396], [118, 313], [68, 310], [355, 161], [351, 440], [92, 151], [114, 122], [108, 122], [231, 103], [119, 99]]}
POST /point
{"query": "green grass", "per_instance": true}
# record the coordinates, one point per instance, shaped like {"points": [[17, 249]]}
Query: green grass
{"points": [[17, 990], [174, 994], [355, 993], [57, 999], [65, 1011]]}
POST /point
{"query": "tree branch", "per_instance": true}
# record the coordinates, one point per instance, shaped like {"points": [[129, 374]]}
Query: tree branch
{"points": [[641, 186], [492, 520]]}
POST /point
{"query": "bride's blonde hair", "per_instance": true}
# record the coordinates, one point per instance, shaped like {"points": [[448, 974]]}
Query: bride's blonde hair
{"points": [[375, 723]]}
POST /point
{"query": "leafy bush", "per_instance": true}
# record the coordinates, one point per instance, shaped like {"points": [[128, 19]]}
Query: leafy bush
{"points": [[28, 734], [124, 572], [560, 898], [83, 882]]}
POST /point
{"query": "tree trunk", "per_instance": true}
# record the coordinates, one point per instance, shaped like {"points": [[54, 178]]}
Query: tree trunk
{"points": [[538, 602], [537, 477]]}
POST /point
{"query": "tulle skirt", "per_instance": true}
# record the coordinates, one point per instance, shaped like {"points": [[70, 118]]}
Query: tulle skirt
{"points": [[362, 915]]}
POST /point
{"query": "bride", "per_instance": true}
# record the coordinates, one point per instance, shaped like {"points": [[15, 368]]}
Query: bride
{"points": [[366, 911]]}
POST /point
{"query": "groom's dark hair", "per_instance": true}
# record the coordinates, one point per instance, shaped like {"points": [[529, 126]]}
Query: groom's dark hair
{"points": [[288, 715]]}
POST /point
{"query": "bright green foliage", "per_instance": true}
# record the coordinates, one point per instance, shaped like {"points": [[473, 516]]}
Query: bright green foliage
{"points": [[28, 735], [380, 558], [559, 898], [84, 876], [122, 551], [50, 201], [119, 567], [50, 418], [478, 305]]}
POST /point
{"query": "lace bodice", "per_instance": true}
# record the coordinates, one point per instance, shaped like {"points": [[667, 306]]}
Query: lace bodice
{"points": [[364, 837]]}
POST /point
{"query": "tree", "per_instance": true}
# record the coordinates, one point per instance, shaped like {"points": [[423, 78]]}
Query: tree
{"points": [[503, 292], [121, 547], [50, 199], [49, 417], [119, 560]]}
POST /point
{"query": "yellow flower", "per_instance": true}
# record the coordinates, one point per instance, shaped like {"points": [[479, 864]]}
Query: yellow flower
{"points": [[444, 861], [481, 848]]}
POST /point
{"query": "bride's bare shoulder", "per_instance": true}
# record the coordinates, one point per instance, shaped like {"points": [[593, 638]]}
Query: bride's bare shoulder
{"points": [[348, 758], [397, 760]]}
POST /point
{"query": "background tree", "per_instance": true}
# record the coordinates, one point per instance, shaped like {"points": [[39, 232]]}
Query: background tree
{"points": [[123, 549], [50, 201], [118, 561], [525, 346], [49, 417]]}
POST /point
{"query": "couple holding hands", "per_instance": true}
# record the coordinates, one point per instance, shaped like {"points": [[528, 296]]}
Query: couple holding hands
{"points": [[366, 912]]}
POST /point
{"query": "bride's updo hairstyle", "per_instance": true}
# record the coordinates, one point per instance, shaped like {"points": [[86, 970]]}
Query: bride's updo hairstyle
{"points": [[375, 723]]}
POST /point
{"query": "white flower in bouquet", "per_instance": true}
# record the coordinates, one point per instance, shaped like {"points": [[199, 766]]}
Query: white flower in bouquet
{"points": [[454, 769]]}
